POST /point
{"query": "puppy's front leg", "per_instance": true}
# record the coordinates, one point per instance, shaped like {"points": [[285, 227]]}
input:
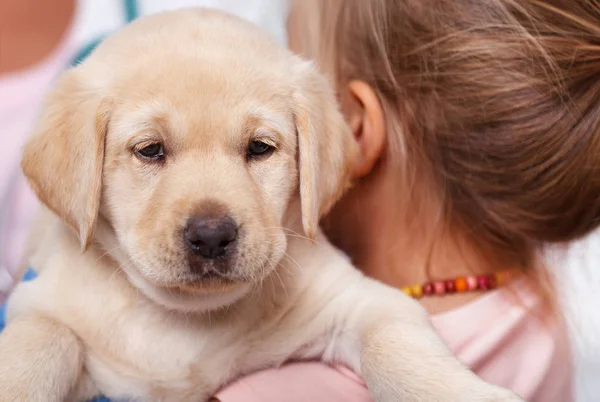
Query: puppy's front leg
{"points": [[40, 360], [388, 339]]}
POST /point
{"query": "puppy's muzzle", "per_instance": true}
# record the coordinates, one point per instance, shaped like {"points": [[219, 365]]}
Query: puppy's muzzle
{"points": [[209, 241]]}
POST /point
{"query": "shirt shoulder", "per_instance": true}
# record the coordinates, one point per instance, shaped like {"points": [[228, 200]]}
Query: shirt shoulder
{"points": [[504, 339], [498, 336], [298, 382]]}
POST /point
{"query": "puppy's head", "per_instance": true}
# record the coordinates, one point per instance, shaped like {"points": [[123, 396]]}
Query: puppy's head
{"points": [[190, 133]]}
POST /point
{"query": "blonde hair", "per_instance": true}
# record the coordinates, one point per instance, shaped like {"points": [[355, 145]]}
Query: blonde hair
{"points": [[497, 101]]}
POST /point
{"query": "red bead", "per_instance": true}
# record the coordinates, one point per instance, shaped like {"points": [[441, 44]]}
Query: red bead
{"points": [[482, 282], [439, 287], [492, 282], [450, 286], [428, 288]]}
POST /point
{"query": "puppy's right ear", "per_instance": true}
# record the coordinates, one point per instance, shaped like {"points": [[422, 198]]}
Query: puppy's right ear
{"points": [[325, 145], [63, 158]]}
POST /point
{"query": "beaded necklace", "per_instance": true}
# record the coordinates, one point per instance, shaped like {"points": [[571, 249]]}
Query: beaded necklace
{"points": [[461, 284]]}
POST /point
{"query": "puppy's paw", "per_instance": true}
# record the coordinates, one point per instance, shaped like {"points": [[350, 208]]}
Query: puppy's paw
{"points": [[478, 393], [474, 390]]}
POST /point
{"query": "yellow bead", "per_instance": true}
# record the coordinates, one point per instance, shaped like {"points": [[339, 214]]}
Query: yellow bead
{"points": [[500, 278], [407, 290], [417, 291]]}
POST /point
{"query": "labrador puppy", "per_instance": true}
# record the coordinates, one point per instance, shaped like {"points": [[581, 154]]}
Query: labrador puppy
{"points": [[190, 158]]}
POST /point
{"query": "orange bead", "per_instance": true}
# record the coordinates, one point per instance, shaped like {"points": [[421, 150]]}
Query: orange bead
{"points": [[417, 291], [461, 284], [407, 290]]}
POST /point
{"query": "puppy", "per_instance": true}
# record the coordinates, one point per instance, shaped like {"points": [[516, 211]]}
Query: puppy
{"points": [[185, 157]]}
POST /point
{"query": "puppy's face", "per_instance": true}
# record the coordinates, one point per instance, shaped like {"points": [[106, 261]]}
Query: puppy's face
{"points": [[192, 149], [197, 181]]}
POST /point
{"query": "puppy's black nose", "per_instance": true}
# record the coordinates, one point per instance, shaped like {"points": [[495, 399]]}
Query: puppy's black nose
{"points": [[209, 236]]}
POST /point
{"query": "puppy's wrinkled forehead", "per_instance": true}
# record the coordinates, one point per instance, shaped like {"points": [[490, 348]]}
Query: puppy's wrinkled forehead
{"points": [[208, 74]]}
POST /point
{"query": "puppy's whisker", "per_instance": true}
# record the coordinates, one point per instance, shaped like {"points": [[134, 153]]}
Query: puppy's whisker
{"points": [[297, 236], [286, 255], [281, 281], [289, 271], [118, 270], [256, 289], [108, 252], [273, 269], [292, 234], [282, 228], [272, 284]]}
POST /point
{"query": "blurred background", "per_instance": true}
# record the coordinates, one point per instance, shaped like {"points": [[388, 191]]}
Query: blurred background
{"points": [[97, 17], [39, 38]]}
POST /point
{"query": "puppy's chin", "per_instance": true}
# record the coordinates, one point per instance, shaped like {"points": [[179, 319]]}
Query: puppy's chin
{"points": [[196, 301], [190, 298]]}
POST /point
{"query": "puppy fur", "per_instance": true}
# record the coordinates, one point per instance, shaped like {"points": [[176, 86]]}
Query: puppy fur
{"points": [[117, 308]]}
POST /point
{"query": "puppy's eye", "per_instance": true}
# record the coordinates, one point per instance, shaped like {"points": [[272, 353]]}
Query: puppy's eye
{"points": [[259, 149], [154, 151]]}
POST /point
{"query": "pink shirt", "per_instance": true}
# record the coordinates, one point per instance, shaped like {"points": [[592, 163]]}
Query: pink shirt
{"points": [[495, 336], [21, 96]]}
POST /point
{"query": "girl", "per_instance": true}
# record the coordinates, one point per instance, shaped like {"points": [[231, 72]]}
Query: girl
{"points": [[479, 129], [35, 45]]}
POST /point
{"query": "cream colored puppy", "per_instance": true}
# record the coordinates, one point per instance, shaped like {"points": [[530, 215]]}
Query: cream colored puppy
{"points": [[185, 156]]}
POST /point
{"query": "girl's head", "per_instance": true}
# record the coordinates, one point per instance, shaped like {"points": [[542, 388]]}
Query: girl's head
{"points": [[490, 113]]}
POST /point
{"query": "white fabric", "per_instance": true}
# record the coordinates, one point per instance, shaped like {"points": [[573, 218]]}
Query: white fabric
{"points": [[6, 281], [578, 276], [98, 17]]}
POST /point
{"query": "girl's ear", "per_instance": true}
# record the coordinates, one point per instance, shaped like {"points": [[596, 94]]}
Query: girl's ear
{"points": [[364, 113], [325, 145]]}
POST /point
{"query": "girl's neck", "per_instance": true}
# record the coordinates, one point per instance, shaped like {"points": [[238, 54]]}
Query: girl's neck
{"points": [[415, 258], [404, 249]]}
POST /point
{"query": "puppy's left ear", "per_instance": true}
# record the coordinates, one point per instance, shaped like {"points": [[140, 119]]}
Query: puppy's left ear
{"points": [[325, 145], [63, 159]]}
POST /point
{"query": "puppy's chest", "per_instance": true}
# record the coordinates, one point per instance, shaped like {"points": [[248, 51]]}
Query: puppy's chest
{"points": [[163, 360]]}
